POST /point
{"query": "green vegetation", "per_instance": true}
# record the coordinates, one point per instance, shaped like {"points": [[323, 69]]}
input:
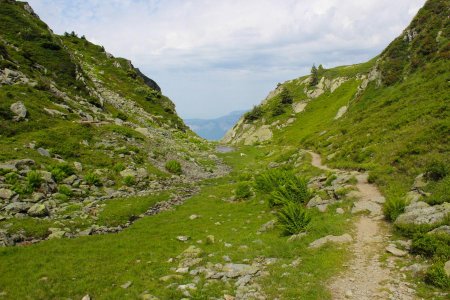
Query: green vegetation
{"points": [[92, 179], [436, 276], [174, 167], [34, 179], [393, 207], [243, 191], [293, 190], [293, 218]]}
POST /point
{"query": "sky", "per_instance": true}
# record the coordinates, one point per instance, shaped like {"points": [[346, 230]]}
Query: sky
{"points": [[212, 57]]}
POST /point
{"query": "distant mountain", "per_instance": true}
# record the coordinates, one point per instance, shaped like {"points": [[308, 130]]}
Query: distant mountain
{"points": [[214, 129]]}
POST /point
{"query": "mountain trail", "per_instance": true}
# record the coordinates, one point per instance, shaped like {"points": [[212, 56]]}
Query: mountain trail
{"points": [[367, 276]]}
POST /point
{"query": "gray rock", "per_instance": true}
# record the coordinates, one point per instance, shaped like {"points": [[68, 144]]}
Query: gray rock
{"points": [[36, 197], [183, 238], [267, 226], [19, 109], [341, 239], [70, 180], [296, 237], [126, 284], [441, 230], [38, 210], [397, 252], [43, 152], [416, 269], [6, 194], [56, 233], [78, 166], [17, 207], [86, 297], [316, 201], [238, 270], [8, 167], [340, 211], [423, 214]]}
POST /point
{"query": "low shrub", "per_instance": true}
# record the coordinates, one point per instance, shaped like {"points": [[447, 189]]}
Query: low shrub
{"points": [[34, 179], [61, 171], [270, 180], [330, 179], [92, 179], [243, 191], [393, 207], [173, 167], [436, 276], [431, 245], [436, 170], [254, 114], [293, 218], [129, 180], [12, 178], [65, 190], [440, 192], [118, 167], [294, 190]]}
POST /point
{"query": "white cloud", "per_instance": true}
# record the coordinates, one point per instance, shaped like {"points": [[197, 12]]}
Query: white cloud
{"points": [[213, 57]]}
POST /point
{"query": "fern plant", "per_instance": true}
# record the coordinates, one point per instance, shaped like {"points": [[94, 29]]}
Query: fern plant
{"points": [[293, 218]]}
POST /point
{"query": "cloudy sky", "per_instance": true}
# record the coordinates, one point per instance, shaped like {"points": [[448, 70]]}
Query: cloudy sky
{"points": [[212, 57]]}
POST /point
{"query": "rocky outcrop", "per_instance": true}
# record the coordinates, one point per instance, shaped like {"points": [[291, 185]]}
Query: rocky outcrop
{"points": [[19, 110], [148, 81], [420, 213]]}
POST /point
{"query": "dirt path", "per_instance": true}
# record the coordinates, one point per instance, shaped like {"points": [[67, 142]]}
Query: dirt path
{"points": [[367, 277]]}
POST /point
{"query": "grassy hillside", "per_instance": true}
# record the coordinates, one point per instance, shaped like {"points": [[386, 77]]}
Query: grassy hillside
{"points": [[396, 123]]}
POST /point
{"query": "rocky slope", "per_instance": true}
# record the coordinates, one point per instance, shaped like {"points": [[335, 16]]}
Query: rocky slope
{"points": [[79, 126]]}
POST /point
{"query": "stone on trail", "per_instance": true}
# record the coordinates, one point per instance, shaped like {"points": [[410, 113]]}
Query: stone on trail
{"points": [[86, 297], [341, 239], [396, 252]]}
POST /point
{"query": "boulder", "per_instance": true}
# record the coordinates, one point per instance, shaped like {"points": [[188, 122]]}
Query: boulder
{"points": [[397, 252], [267, 226], [6, 194], [441, 230], [56, 233], [43, 152], [419, 214], [38, 210], [17, 207], [78, 166], [299, 107], [341, 112], [341, 239], [238, 270], [19, 109]]}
